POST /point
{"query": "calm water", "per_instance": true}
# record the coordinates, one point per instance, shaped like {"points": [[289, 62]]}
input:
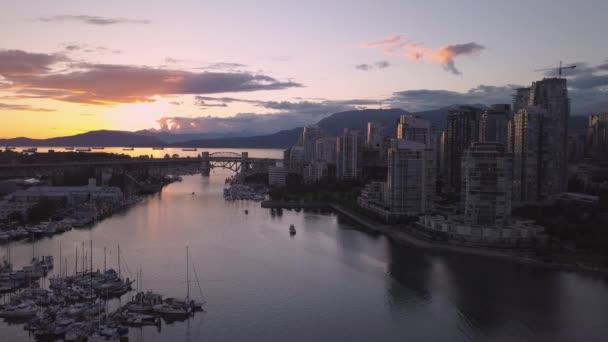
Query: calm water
{"points": [[330, 282]]}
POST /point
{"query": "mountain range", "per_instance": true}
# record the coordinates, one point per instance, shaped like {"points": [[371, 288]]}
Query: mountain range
{"points": [[333, 124]]}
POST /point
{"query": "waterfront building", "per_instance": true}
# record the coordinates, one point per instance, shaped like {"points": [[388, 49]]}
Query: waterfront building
{"points": [[294, 158], [486, 185], [309, 136], [540, 142], [277, 174], [376, 131], [23, 199], [462, 129], [405, 186], [347, 153], [494, 124], [551, 94], [597, 137]]}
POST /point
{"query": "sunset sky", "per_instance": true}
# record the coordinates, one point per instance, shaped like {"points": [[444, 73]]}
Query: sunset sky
{"points": [[68, 67]]}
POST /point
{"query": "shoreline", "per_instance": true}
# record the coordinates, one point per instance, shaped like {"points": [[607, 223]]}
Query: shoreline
{"points": [[400, 236]]}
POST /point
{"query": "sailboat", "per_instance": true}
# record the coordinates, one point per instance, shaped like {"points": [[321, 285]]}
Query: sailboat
{"points": [[176, 306]]}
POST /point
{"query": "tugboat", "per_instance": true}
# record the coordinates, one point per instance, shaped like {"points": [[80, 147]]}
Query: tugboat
{"points": [[246, 211], [292, 230]]}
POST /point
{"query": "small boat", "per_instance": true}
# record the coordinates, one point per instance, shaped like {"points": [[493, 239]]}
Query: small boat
{"points": [[128, 149], [98, 148], [189, 149], [62, 326], [171, 309], [246, 211], [193, 192], [69, 149], [292, 229], [78, 331], [158, 148], [87, 149], [10, 147], [31, 150], [19, 311]]}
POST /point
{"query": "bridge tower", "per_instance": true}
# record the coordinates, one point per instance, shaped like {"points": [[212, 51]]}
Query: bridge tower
{"points": [[205, 164], [245, 163]]}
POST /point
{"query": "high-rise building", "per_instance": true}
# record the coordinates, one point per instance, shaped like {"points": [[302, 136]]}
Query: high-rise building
{"points": [[325, 150], [375, 135], [534, 163], [406, 193], [462, 130], [309, 135], [521, 99], [414, 128], [494, 124], [597, 137], [539, 142], [486, 185], [347, 154]]}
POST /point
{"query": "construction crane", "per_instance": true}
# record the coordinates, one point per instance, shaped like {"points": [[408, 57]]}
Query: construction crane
{"points": [[558, 69]]}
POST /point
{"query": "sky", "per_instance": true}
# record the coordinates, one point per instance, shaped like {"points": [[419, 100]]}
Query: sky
{"points": [[255, 67]]}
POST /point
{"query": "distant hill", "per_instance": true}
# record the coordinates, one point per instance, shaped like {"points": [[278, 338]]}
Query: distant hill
{"points": [[358, 119], [89, 139], [171, 138], [334, 124], [281, 139]]}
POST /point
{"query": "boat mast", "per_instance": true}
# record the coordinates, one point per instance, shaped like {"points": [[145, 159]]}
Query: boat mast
{"points": [[119, 274], [76, 263], [60, 261], [104, 259], [187, 274]]}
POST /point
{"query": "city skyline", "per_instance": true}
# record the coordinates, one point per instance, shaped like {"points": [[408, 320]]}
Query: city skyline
{"points": [[216, 68]]}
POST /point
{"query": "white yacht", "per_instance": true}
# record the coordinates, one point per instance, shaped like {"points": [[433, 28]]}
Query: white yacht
{"points": [[171, 309]]}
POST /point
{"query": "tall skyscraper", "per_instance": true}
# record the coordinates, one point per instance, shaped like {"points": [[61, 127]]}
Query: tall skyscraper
{"points": [[347, 153], [414, 128], [551, 94], [494, 124], [462, 130], [375, 135], [309, 135], [540, 142], [486, 185], [405, 190]]}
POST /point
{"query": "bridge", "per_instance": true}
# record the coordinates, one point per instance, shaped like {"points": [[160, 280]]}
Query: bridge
{"points": [[239, 163]]}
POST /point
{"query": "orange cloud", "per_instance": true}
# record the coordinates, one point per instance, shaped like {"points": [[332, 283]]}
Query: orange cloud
{"points": [[397, 45]]}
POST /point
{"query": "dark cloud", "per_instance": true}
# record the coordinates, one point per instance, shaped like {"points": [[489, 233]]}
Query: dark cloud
{"points": [[72, 47], [8, 106], [176, 103], [425, 99], [447, 54], [93, 20], [286, 115], [204, 104], [18, 63], [363, 67], [382, 64], [29, 74], [377, 65], [226, 65]]}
